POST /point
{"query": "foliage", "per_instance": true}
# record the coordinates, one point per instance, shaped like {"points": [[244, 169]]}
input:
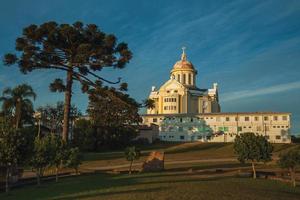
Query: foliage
{"points": [[295, 139], [113, 121], [252, 147], [131, 154], [43, 154], [59, 153], [74, 159], [84, 136], [290, 160], [112, 108], [52, 116], [13, 149], [78, 49], [149, 103], [16, 102]]}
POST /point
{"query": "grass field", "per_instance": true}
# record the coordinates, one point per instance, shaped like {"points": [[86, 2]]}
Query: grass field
{"points": [[179, 181], [158, 186], [176, 151]]}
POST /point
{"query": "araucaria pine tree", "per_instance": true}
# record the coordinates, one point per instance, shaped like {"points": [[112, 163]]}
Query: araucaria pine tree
{"points": [[78, 50]]}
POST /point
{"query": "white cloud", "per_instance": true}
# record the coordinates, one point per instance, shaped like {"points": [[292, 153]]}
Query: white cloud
{"points": [[260, 91]]}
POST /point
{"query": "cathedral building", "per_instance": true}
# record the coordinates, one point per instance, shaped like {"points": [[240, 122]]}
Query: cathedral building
{"points": [[185, 112], [180, 93]]}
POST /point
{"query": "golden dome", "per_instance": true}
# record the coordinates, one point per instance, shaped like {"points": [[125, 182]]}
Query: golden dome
{"points": [[183, 63]]}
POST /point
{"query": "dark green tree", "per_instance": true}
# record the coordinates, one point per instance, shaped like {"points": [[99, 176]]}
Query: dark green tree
{"points": [[254, 148], [60, 153], [16, 102], [12, 149], [43, 155], [114, 117], [84, 135], [74, 159], [109, 107], [131, 154], [79, 50], [290, 160]]}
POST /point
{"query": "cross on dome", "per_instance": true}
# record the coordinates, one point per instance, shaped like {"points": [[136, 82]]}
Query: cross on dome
{"points": [[183, 56]]}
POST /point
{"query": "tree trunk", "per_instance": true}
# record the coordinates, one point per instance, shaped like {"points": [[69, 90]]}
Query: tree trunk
{"points": [[293, 177], [68, 96], [130, 167], [56, 174], [253, 169], [18, 113], [38, 176], [7, 180]]}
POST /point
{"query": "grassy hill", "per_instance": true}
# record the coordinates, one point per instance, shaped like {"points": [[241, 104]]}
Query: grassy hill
{"points": [[158, 186], [177, 182], [177, 151]]}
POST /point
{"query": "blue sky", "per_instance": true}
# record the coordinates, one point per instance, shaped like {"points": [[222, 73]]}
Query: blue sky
{"points": [[251, 48]]}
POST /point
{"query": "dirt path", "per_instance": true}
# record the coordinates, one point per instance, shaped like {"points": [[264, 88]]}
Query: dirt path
{"points": [[139, 164]]}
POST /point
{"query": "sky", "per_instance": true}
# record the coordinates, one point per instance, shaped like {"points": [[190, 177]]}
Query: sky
{"points": [[250, 48]]}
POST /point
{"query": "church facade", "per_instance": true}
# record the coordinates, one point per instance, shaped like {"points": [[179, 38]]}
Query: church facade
{"points": [[181, 95], [185, 112]]}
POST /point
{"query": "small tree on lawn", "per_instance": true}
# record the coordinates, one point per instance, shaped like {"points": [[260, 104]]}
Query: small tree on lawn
{"points": [[12, 150], [131, 154], [254, 148], [43, 154], [74, 159], [60, 154], [290, 160]]}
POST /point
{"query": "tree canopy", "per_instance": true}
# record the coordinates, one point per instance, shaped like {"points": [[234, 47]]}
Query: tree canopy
{"points": [[290, 160], [79, 50], [252, 147], [13, 149]]}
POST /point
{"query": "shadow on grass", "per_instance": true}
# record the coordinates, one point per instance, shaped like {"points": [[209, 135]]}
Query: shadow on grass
{"points": [[99, 193], [121, 190], [196, 147], [209, 166], [102, 156]]}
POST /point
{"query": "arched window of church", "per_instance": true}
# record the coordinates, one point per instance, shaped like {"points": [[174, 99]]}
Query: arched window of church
{"points": [[178, 77], [184, 78], [190, 79]]}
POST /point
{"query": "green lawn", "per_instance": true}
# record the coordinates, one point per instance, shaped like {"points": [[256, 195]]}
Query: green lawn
{"points": [[177, 182], [177, 151], [167, 185]]}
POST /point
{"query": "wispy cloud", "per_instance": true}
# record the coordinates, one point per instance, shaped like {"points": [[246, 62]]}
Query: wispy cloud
{"points": [[260, 91]]}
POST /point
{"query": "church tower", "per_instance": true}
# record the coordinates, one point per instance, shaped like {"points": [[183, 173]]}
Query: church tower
{"points": [[184, 72]]}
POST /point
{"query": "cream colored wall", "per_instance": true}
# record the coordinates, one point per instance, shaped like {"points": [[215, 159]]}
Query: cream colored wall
{"points": [[271, 128]]}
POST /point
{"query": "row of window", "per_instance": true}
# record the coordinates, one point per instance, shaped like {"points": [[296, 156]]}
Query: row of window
{"points": [[169, 99], [256, 118], [258, 128], [277, 137], [180, 129], [218, 119], [169, 108], [222, 128]]}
